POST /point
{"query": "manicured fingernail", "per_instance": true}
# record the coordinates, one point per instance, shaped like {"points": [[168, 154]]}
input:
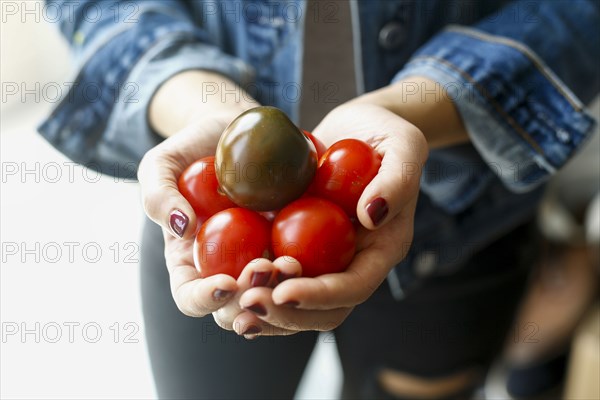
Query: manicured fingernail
{"points": [[257, 309], [179, 222], [377, 210], [252, 330], [283, 276], [291, 304], [220, 294], [260, 278]]}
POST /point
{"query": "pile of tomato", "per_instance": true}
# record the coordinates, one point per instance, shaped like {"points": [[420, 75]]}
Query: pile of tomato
{"points": [[272, 190]]}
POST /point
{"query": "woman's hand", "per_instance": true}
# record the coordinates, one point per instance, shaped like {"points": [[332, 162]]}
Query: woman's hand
{"points": [[158, 174], [192, 119], [385, 210]]}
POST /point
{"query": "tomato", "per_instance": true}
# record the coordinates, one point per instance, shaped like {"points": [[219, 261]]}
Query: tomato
{"points": [[263, 160], [317, 233], [344, 171], [229, 240], [199, 185], [321, 149]]}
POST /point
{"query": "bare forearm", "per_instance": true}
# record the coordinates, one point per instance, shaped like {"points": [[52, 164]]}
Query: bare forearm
{"points": [[426, 105], [191, 93]]}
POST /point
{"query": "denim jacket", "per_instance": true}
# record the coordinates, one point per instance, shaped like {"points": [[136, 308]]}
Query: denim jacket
{"points": [[519, 73]]}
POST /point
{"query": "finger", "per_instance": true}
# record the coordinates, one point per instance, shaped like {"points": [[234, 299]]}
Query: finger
{"points": [[258, 301], [397, 182], [161, 199], [258, 272], [366, 272], [250, 326], [194, 296], [286, 268], [197, 297]]}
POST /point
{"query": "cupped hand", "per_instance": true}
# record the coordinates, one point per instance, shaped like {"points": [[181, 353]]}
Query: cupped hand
{"points": [[158, 174], [385, 210], [218, 294]]}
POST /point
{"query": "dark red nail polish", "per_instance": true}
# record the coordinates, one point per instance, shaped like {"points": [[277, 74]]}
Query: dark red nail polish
{"points": [[220, 294], [179, 222], [377, 209], [291, 304], [260, 278], [252, 330], [283, 276], [257, 309]]}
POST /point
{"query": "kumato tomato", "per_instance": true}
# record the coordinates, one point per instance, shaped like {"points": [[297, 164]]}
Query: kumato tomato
{"points": [[263, 160], [317, 233], [344, 171], [229, 240], [199, 185]]}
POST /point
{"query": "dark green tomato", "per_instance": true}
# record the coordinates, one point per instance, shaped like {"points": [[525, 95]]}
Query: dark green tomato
{"points": [[263, 160]]}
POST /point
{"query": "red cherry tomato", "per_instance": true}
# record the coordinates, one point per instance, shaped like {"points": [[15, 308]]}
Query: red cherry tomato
{"points": [[317, 233], [229, 240], [319, 146], [344, 171], [198, 184]]}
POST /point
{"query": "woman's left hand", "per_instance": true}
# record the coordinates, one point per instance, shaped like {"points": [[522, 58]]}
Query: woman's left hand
{"points": [[386, 211]]}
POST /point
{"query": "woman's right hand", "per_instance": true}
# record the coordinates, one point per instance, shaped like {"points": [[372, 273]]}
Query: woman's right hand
{"points": [[158, 173], [192, 118], [218, 294]]}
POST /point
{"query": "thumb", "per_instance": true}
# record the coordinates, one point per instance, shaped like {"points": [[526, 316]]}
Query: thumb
{"points": [[163, 203], [161, 167], [395, 188]]}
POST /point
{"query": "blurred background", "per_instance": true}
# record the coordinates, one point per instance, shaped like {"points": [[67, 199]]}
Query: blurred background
{"points": [[69, 302], [70, 307]]}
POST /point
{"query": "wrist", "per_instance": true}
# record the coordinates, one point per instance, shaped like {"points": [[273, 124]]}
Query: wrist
{"points": [[425, 104], [189, 95]]}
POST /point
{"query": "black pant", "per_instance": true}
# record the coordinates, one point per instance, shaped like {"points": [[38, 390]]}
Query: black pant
{"points": [[448, 324]]}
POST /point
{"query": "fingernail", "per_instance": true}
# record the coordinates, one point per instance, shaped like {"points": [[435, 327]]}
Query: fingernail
{"points": [[260, 278], [178, 221], [283, 276], [291, 304], [252, 330], [220, 294], [257, 309], [377, 210]]}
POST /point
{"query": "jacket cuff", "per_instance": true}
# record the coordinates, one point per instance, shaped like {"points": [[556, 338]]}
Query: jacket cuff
{"points": [[101, 121], [128, 129], [524, 122]]}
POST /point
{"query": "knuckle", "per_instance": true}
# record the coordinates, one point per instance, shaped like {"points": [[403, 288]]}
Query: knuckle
{"points": [[185, 310], [157, 199], [188, 305], [222, 322]]}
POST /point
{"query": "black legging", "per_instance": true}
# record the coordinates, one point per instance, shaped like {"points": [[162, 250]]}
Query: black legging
{"points": [[447, 325]]}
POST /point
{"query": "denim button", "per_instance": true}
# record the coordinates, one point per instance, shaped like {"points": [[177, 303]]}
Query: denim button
{"points": [[392, 35]]}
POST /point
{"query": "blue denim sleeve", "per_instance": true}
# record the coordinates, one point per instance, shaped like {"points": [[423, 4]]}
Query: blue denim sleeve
{"points": [[124, 51], [519, 79]]}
